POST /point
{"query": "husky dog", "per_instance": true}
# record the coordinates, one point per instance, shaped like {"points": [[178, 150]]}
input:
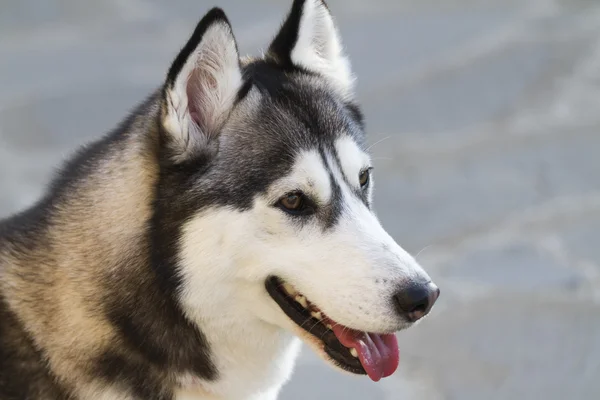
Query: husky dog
{"points": [[184, 254]]}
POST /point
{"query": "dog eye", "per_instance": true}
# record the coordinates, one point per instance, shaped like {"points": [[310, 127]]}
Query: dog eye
{"points": [[295, 203], [364, 177], [292, 201]]}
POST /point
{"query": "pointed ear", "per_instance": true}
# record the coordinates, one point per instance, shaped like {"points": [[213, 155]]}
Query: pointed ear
{"points": [[309, 39], [201, 86]]}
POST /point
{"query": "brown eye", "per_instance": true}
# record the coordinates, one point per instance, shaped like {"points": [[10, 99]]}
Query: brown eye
{"points": [[363, 178], [296, 203], [292, 201]]}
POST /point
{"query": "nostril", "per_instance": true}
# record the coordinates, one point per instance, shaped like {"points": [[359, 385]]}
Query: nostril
{"points": [[416, 300], [420, 307]]}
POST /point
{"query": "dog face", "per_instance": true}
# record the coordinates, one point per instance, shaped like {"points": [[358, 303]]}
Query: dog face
{"points": [[264, 199]]}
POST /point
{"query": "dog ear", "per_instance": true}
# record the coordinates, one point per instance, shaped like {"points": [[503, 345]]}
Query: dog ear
{"points": [[309, 39], [201, 87]]}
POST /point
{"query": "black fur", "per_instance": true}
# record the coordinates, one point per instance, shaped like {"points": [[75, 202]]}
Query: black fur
{"points": [[357, 113], [138, 376], [334, 208], [23, 370], [286, 39], [153, 326]]}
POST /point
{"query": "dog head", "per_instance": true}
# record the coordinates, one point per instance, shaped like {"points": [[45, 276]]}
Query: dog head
{"points": [[265, 193]]}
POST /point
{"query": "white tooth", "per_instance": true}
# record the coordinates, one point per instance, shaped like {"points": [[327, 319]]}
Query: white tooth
{"points": [[289, 288], [354, 352], [317, 315], [328, 326], [302, 300]]}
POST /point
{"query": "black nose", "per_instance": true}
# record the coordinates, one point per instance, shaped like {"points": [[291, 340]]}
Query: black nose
{"points": [[415, 300]]}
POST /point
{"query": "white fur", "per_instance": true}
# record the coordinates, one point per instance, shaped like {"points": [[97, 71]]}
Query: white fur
{"points": [[213, 73], [352, 159], [319, 47], [227, 255], [308, 175], [251, 355]]}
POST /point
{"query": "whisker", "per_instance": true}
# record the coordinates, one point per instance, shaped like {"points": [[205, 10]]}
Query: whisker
{"points": [[382, 158], [305, 321], [377, 142], [328, 329], [422, 250], [315, 324]]}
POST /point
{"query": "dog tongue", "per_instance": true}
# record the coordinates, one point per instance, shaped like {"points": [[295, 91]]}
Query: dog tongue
{"points": [[378, 353]]}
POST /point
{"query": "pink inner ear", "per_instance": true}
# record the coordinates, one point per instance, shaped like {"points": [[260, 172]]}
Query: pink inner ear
{"points": [[208, 79], [201, 88], [194, 94]]}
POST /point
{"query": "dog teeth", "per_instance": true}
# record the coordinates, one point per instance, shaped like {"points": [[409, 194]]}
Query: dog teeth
{"points": [[289, 289], [328, 326], [302, 300], [317, 315], [353, 352]]}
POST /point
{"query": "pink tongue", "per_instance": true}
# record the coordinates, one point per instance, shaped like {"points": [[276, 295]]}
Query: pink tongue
{"points": [[377, 353]]}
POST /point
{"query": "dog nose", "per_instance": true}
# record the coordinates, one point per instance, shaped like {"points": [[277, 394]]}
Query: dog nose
{"points": [[415, 301]]}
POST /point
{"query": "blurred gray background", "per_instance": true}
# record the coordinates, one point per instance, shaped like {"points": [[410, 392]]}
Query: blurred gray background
{"points": [[485, 120]]}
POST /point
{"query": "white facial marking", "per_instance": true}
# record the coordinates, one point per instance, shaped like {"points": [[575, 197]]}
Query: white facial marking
{"points": [[352, 159], [308, 175], [223, 294]]}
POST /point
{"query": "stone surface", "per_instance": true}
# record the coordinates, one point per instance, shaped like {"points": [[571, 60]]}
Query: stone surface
{"points": [[484, 120]]}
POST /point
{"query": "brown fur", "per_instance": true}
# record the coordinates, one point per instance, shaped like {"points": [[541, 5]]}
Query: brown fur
{"points": [[54, 288]]}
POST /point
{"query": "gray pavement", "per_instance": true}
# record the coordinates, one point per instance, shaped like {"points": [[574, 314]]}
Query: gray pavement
{"points": [[485, 119]]}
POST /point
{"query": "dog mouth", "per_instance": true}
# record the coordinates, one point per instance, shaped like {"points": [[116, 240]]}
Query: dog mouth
{"points": [[358, 352]]}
